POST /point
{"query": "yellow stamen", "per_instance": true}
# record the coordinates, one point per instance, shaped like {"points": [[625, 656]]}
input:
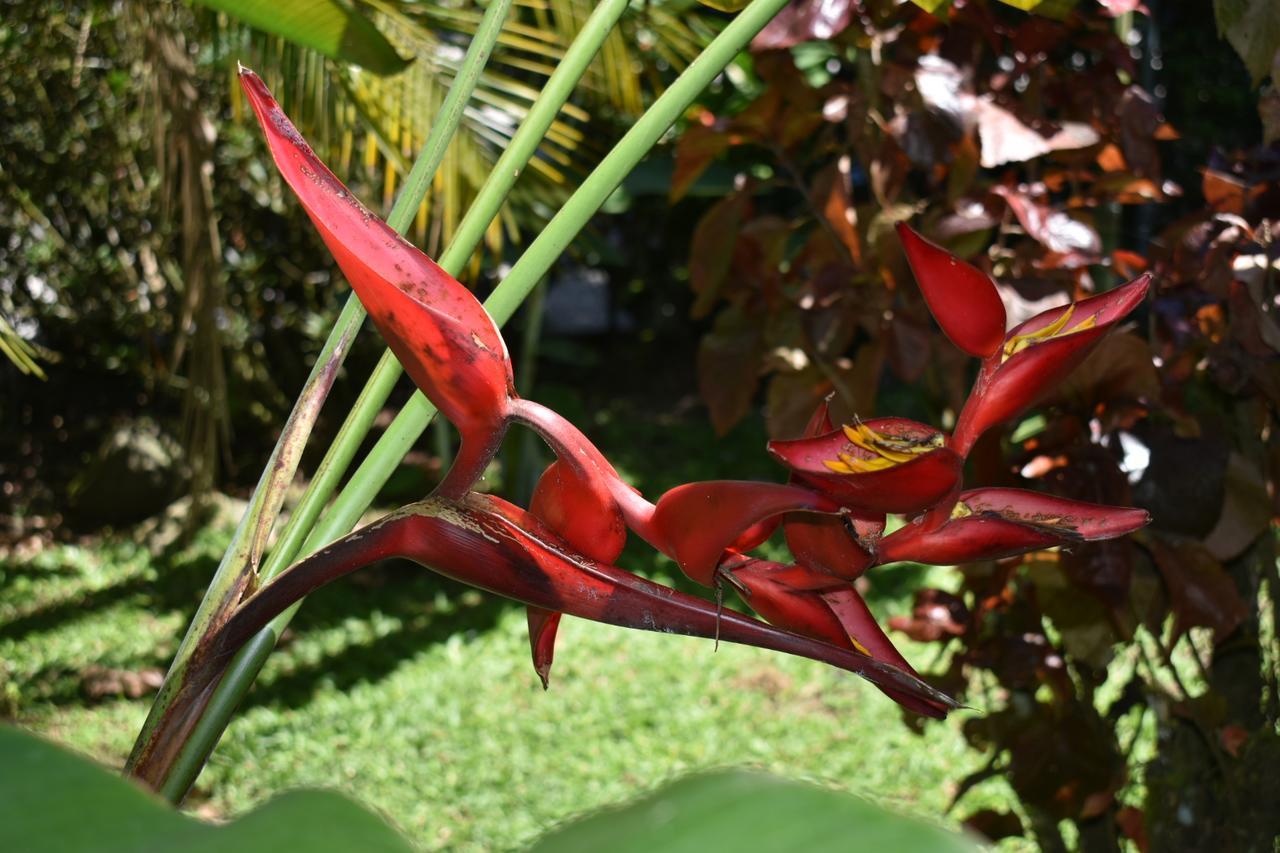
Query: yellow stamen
{"points": [[887, 450], [1057, 328], [961, 510], [859, 646]]}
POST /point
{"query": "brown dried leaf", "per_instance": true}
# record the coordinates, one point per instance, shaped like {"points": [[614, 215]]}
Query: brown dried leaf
{"points": [[936, 614], [1269, 105], [1005, 139], [791, 400], [1246, 510], [994, 825], [1120, 369], [831, 195], [100, 682], [1139, 120]]}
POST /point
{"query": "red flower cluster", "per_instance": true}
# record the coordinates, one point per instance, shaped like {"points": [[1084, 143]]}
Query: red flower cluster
{"points": [[557, 556]]}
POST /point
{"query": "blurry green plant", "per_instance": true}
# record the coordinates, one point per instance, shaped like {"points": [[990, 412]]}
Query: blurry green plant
{"points": [[96, 810]]}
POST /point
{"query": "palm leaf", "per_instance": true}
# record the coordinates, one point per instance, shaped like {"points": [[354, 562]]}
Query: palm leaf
{"points": [[369, 126], [327, 26]]}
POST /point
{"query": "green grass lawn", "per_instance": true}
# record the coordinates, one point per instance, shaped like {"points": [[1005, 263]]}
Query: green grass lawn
{"points": [[416, 695]]}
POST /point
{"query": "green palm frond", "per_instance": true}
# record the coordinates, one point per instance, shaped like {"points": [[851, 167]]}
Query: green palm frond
{"points": [[370, 126]]}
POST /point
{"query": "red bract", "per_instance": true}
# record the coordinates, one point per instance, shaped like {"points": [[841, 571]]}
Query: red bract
{"points": [[829, 544], [582, 513], [1038, 354], [963, 299], [992, 523], [697, 522], [837, 546], [868, 636], [820, 606], [442, 335], [788, 596], [495, 546], [876, 466]]}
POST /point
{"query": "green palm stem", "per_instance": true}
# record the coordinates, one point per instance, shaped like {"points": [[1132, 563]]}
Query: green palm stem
{"points": [[412, 420], [237, 573], [522, 467]]}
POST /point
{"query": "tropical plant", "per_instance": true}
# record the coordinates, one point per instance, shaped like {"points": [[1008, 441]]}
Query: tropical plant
{"points": [[94, 809], [556, 557]]}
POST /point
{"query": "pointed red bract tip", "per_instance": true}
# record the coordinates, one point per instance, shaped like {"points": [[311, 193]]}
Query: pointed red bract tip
{"points": [[1038, 354], [995, 523], [542, 640], [437, 329], [963, 299]]}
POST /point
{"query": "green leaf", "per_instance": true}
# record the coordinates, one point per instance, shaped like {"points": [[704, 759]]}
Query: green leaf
{"points": [[54, 800], [1253, 28], [327, 26], [747, 812]]}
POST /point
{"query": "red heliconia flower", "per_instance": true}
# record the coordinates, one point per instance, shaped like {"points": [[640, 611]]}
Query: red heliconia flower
{"points": [[836, 545], [876, 466], [695, 524], [1039, 353], [815, 604], [584, 514], [495, 546], [962, 298], [437, 329], [992, 523]]}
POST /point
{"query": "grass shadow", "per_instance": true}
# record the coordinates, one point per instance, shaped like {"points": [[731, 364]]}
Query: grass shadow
{"points": [[428, 608]]}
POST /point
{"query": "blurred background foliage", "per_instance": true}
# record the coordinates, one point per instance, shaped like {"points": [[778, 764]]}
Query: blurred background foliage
{"points": [[160, 302]]}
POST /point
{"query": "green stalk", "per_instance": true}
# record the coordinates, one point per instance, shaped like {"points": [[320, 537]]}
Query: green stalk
{"points": [[409, 424], [521, 468], [238, 570]]}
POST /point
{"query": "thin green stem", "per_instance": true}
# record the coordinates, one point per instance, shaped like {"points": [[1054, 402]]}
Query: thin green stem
{"points": [[238, 569], [521, 469]]}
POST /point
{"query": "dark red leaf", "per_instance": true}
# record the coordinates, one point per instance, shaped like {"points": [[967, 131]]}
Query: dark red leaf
{"points": [[1201, 592], [729, 368]]}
